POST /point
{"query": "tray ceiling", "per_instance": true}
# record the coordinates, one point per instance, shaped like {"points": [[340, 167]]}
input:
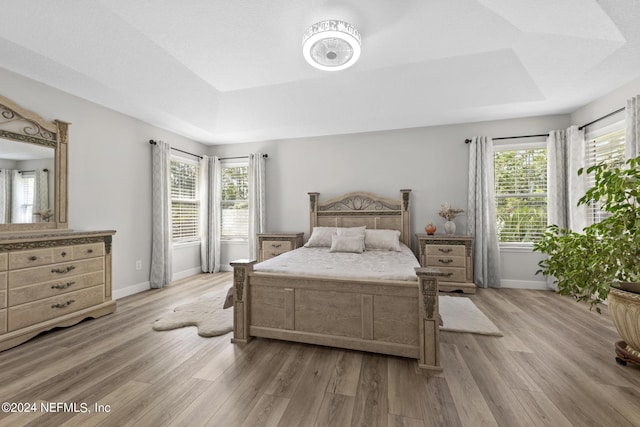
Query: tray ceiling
{"points": [[227, 72]]}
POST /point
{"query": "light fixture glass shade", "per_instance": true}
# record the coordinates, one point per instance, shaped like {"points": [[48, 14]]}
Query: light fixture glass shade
{"points": [[331, 45]]}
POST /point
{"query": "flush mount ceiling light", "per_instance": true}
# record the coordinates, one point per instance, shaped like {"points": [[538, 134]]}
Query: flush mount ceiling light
{"points": [[331, 45]]}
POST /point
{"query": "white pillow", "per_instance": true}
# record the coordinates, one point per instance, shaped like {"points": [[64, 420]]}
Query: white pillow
{"points": [[320, 237], [388, 240], [354, 244]]}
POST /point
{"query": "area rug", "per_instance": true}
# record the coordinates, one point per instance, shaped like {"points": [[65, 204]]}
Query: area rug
{"points": [[460, 314], [206, 313]]}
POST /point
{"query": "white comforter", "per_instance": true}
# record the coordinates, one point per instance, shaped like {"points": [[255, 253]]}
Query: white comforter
{"points": [[377, 264]]}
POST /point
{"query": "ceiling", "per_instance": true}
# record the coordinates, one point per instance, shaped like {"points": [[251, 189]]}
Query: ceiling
{"points": [[232, 71]]}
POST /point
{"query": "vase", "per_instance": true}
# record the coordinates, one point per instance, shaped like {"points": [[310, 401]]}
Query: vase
{"points": [[450, 228]]}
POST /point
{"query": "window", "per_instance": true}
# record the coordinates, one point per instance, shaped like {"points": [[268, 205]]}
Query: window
{"points": [[25, 188], [521, 192], [605, 144], [185, 205], [235, 202]]}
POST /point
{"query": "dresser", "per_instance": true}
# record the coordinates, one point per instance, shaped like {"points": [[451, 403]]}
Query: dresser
{"points": [[50, 279], [274, 244], [453, 255]]}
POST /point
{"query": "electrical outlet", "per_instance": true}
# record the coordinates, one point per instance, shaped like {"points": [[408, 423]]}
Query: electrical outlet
{"points": [[139, 265]]}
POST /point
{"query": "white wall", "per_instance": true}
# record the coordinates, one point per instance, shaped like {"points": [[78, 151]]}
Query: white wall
{"points": [[606, 104], [432, 161], [109, 175]]}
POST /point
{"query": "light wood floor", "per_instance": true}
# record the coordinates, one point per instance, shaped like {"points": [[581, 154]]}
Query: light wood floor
{"points": [[554, 367]]}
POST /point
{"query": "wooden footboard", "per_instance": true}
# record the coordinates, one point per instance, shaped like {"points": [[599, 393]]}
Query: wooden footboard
{"points": [[381, 316]]}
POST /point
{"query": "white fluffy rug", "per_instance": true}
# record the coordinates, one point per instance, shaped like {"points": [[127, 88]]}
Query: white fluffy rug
{"points": [[460, 314], [206, 313]]}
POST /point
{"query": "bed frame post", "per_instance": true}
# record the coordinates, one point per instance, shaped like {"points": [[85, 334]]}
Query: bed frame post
{"points": [[241, 270], [406, 216], [429, 318], [313, 211]]}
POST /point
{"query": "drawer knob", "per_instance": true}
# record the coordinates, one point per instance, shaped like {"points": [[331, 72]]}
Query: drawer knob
{"points": [[62, 285], [63, 305], [445, 261], [449, 274], [63, 270], [90, 251], [63, 254], [33, 258], [445, 250]]}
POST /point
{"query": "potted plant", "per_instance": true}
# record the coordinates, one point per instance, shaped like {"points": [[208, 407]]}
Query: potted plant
{"points": [[603, 261]]}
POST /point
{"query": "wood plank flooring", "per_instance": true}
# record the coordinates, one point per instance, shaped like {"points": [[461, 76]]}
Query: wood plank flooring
{"points": [[553, 367]]}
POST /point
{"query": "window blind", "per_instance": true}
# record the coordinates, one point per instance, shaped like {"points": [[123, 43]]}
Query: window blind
{"points": [[235, 203], [603, 145], [521, 194], [185, 206]]}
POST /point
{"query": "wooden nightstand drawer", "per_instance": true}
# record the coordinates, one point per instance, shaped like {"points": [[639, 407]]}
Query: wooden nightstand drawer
{"points": [[453, 274], [276, 246], [50, 308], [3, 261], [3, 299], [3, 321], [445, 261], [451, 250]]}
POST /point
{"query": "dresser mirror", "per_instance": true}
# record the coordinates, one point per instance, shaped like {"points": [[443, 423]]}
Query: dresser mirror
{"points": [[33, 170]]}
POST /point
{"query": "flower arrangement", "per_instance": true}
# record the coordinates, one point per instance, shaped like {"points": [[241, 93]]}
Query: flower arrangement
{"points": [[449, 213]]}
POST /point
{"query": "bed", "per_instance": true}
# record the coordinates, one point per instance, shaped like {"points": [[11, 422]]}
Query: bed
{"points": [[395, 315]]}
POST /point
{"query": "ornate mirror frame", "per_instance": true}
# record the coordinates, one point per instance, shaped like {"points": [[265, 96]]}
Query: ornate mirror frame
{"points": [[25, 126]]}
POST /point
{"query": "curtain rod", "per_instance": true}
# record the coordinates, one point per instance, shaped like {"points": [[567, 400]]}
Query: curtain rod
{"points": [[466, 141], [602, 118], [240, 157], [43, 170], [152, 142]]}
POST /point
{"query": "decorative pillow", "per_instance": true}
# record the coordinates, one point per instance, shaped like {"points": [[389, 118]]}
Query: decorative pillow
{"points": [[320, 237], [351, 231], [354, 244], [388, 240]]}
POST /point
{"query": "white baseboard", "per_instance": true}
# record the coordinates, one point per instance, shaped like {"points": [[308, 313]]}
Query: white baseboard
{"points": [[523, 284], [130, 290], [186, 273]]}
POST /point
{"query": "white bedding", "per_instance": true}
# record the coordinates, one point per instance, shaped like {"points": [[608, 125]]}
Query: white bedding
{"points": [[376, 264]]}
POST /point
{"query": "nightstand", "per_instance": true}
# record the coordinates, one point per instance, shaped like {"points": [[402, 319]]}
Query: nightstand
{"points": [[274, 244], [452, 255]]}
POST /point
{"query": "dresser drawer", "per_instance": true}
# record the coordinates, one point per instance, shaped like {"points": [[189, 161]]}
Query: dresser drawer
{"points": [[3, 321], [39, 291], [30, 258], [89, 250], [446, 261], [54, 272], [3, 280], [35, 312], [62, 253], [453, 274], [451, 250], [3, 261], [3, 299], [276, 246]]}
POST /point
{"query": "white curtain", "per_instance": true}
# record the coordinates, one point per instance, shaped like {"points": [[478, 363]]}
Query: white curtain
{"points": [[20, 206], [161, 248], [565, 155], [210, 214], [481, 209], [41, 193], [257, 208], [5, 195], [632, 137]]}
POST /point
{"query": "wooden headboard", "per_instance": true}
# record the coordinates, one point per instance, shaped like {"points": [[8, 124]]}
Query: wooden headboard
{"points": [[361, 208]]}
